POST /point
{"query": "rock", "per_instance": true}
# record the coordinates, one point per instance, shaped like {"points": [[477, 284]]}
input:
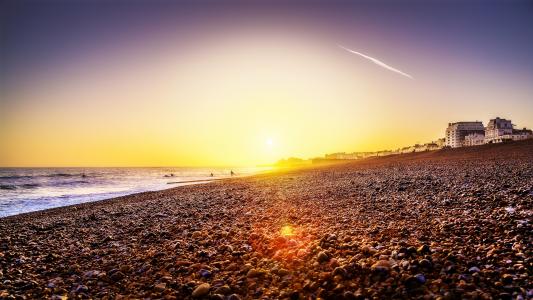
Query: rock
{"points": [[234, 297], [413, 282], [368, 250], [505, 296], [425, 263], [349, 296], [82, 289], [381, 268], [204, 273], [381, 263], [404, 264], [223, 290], [423, 249], [473, 270], [322, 257], [125, 268], [252, 273], [507, 278], [117, 276], [282, 272], [160, 287], [420, 278], [183, 263], [295, 295], [201, 290], [340, 271]]}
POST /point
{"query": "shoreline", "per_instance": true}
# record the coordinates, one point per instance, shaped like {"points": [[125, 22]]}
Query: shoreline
{"points": [[120, 194], [432, 225]]}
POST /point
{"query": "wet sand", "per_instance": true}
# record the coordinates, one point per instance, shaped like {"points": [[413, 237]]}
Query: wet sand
{"points": [[448, 224]]}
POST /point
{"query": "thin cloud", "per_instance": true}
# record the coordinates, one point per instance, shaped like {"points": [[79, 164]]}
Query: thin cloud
{"points": [[377, 62]]}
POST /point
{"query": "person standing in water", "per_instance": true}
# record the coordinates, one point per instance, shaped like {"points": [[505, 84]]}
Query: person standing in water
{"points": [[232, 173]]}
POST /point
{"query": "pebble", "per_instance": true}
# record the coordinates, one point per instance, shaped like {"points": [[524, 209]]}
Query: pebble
{"points": [[425, 263], [82, 289], [204, 273], [160, 287], [117, 276], [507, 279], [322, 257], [420, 278], [234, 297], [411, 282], [255, 273], [201, 290], [447, 235], [423, 249], [224, 290], [340, 271]]}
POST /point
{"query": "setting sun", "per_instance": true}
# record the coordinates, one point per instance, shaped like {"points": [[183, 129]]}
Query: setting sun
{"points": [[261, 149]]}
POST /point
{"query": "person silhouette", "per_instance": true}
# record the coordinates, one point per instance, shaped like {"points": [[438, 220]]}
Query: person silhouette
{"points": [[232, 173]]}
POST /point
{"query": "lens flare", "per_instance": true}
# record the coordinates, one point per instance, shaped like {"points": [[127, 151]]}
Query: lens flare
{"points": [[287, 230]]}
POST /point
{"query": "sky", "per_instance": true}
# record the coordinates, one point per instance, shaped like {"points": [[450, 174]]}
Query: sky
{"points": [[227, 83]]}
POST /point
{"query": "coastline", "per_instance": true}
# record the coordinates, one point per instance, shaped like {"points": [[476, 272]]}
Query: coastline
{"points": [[171, 185], [425, 224], [36, 189]]}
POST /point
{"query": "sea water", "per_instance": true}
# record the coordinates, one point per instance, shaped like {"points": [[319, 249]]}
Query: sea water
{"points": [[30, 189]]}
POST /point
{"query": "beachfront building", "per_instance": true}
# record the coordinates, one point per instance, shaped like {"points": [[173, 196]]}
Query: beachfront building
{"points": [[349, 156], [384, 153], [440, 143], [499, 130], [408, 149], [419, 148], [474, 139], [522, 134], [364, 154], [340, 156], [456, 132], [431, 146], [396, 152]]}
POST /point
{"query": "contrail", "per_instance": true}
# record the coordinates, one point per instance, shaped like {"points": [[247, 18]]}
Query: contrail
{"points": [[377, 62]]}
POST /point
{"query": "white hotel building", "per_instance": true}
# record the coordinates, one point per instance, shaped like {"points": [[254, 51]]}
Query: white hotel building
{"points": [[500, 130], [456, 132], [473, 133]]}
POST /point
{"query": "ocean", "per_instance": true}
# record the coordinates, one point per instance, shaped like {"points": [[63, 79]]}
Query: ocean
{"points": [[31, 189]]}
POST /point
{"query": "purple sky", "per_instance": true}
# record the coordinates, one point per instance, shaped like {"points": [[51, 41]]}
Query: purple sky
{"points": [[38, 35]]}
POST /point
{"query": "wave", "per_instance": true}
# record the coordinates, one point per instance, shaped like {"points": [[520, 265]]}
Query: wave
{"points": [[35, 185], [20, 186], [65, 175], [30, 185], [72, 182], [83, 175], [8, 187], [16, 177]]}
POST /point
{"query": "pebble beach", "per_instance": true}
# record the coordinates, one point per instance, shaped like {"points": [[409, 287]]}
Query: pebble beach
{"points": [[447, 224]]}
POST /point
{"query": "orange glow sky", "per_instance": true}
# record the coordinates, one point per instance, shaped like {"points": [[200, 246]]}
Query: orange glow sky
{"points": [[243, 91]]}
